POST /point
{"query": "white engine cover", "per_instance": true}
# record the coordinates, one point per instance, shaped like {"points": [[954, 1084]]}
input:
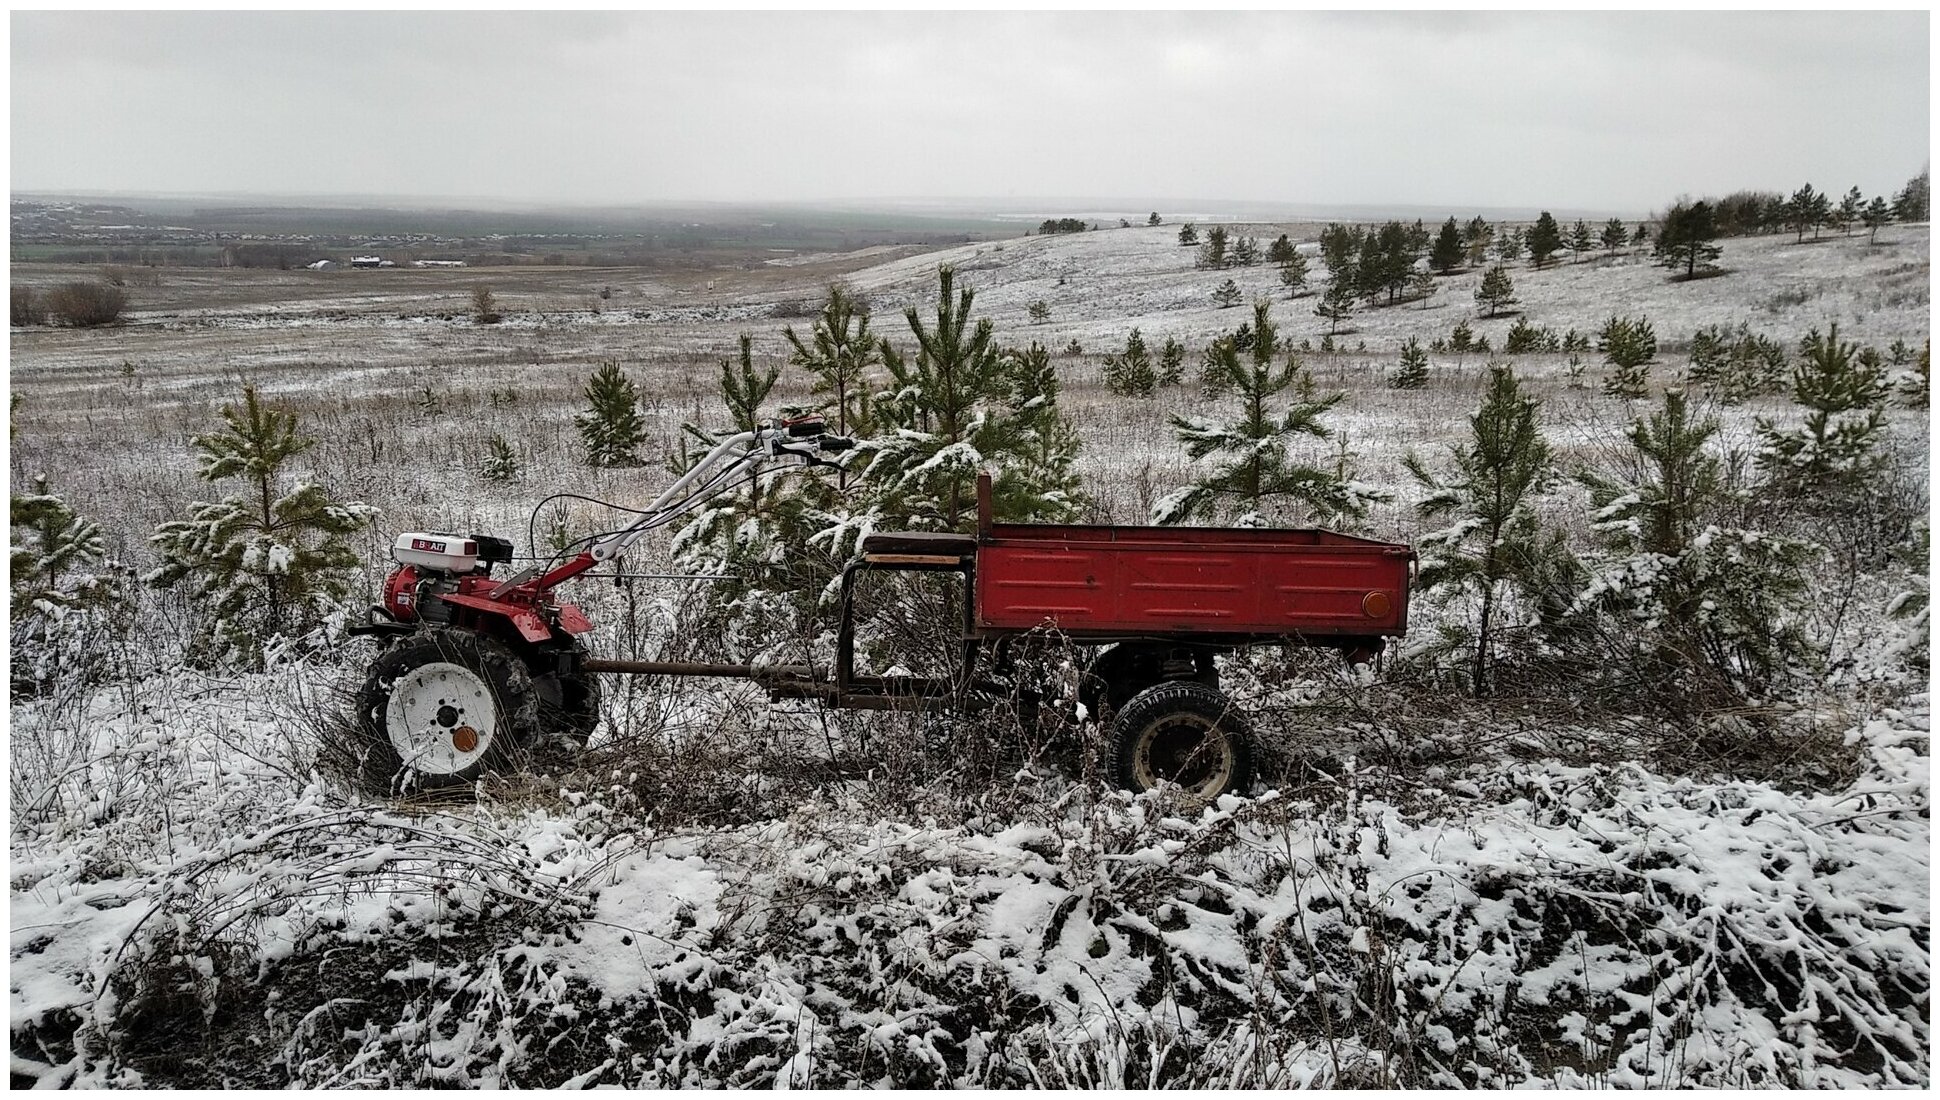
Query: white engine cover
{"points": [[435, 550]]}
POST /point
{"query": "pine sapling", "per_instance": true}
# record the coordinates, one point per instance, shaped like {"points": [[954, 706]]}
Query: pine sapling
{"points": [[265, 564]]}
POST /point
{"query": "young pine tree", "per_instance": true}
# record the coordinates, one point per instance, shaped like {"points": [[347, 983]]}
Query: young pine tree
{"points": [[1249, 467], [1834, 454], [66, 593], [959, 405], [742, 529], [1496, 292], [1543, 240], [1615, 235], [840, 353], [1628, 345], [1172, 362], [1495, 539], [1336, 305], [1129, 373], [1228, 294], [611, 428], [267, 563], [1708, 609], [501, 462], [1293, 275], [1412, 374], [1449, 249]]}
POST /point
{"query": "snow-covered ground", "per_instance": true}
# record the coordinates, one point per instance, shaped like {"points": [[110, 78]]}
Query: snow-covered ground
{"points": [[1422, 890]]}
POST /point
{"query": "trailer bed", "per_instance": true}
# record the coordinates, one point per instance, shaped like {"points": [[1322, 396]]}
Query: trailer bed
{"points": [[1102, 581]]}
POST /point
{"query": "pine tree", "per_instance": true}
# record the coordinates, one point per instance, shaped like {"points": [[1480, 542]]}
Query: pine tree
{"points": [[1336, 305], [1129, 373], [1543, 239], [484, 308], [1293, 275], [501, 462], [1153, 218], [52, 555], [612, 428], [1461, 339], [1913, 201], [742, 530], [1449, 249], [1496, 291], [958, 405], [1213, 253], [1628, 345], [840, 353], [1684, 240], [1834, 455], [1508, 246], [68, 598], [1809, 210], [1228, 294], [1281, 251], [1477, 235], [1639, 235], [1734, 365], [267, 564], [1412, 374], [1249, 464], [1848, 211], [1615, 236], [1424, 286], [1704, 601], [1172, 363], [1496, 539], [1188, 235], [1245, 253], [1876, 215], [1581, 241]]}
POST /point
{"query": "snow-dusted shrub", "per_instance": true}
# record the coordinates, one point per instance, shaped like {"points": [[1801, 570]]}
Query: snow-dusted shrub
{"points": [[1835, 453], [266, 565], [69, 602], [1709, 612]]}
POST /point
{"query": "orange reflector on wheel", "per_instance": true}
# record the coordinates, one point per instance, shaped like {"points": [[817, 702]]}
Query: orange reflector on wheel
{"points": [[464, 739], [1376, 605]]}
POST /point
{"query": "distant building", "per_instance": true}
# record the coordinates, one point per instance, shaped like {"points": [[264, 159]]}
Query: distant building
{"points": [[367, 261], [437, 263]]}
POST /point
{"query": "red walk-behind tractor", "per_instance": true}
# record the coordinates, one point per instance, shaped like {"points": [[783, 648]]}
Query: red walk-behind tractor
{"points": [[477, 673]]}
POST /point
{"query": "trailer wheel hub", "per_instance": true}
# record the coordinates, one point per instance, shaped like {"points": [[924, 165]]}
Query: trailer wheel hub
{"points": [[1185, 750], [441, 718]]}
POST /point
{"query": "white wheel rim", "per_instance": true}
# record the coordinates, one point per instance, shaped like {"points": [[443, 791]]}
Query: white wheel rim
{"points": [[1213, 748], [441, 718]]}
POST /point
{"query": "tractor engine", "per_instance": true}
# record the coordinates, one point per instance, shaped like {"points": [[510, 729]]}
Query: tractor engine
{"points": [[431, 564]]}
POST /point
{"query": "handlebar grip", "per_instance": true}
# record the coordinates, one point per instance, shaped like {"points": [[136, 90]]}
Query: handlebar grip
{"points": [[835, 444]]}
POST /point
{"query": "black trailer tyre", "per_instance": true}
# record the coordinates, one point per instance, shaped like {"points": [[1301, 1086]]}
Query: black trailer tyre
{"points": [[442, 708], [1184, 733]]}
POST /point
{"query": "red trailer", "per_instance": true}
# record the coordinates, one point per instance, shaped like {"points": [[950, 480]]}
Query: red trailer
{"points": [[477, 667]]}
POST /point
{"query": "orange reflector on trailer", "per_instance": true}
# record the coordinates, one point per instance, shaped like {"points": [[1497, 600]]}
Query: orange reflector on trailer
{"points": [[464, 739], [1376, 605]]}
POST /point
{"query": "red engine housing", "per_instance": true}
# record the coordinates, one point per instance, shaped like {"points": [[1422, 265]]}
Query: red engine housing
{"points": [[400, 593]]}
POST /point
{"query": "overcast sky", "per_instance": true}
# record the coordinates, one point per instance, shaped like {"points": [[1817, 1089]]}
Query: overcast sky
{"points": [[1601, 112]]}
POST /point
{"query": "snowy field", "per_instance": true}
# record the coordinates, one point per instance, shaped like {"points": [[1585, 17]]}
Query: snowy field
{"points": [[1421, 890]]}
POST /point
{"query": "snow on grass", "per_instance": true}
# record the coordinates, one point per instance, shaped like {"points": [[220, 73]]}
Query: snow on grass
{"points": [[1516, 921]]}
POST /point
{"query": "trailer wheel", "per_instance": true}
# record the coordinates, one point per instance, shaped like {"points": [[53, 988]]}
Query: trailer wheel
{"points": [[442, 708], [1181, 732]]}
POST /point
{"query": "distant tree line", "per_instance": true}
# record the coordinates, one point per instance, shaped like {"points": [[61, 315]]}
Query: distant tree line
{"points": [[1050, 226]]}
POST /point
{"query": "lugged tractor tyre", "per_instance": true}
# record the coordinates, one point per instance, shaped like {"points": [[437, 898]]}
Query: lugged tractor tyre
{"points": [[569, 712], [440, 709], [1184, 733]]}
